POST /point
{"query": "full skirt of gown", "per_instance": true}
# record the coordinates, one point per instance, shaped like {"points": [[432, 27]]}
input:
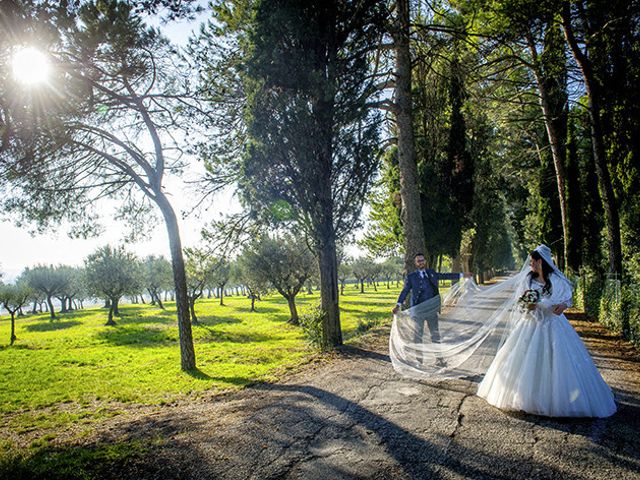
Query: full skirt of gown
{"points": [[543, 368]]}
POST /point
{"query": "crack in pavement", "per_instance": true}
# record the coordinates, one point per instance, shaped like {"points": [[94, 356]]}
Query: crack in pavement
{"points": [[452, 436]]}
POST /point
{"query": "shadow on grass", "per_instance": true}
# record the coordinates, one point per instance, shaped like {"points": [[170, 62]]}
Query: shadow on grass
{"points": [[213, 320], [51, 326], [59, 463], [260, 308], [382, 301], [232, 380], [139, 337], [212, 335], [18, 346]]}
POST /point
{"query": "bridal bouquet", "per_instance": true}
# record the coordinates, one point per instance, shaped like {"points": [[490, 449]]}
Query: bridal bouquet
{"points": [[528, 299]]}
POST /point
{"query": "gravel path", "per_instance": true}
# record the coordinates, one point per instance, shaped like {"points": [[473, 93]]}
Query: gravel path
{"points": [[353, 417]]}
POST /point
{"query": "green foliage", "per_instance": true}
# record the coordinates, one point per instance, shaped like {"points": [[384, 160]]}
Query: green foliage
{"points": [[14, 296], [113, 272], [311, 324], [200, 266], [48, 279], [285, 263], [385, 235], [620, 310], [589, 290], [158, 275]]}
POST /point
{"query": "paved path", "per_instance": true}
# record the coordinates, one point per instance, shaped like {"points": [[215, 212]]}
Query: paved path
{"points": [[354, 418]]}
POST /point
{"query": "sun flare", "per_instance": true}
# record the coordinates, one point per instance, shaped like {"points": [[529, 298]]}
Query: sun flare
{"points": [[31, 66]]}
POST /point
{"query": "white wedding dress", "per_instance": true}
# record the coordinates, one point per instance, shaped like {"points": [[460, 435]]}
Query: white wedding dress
{"points": [[532, 361], [544, 368]]}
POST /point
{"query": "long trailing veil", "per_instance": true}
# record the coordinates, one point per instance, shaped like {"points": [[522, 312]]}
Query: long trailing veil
{"points": [[473, 322]]}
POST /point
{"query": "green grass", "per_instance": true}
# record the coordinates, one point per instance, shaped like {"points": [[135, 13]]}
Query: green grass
{"points": [[85, 369], [76, 372], [82, 463]]}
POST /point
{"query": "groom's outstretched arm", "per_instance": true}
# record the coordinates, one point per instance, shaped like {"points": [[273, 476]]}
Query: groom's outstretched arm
{"points": [[403, 294], [449, 276]]}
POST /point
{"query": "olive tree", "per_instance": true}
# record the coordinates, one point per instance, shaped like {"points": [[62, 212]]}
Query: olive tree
{"points": [[113, 273], [286, 263], [13, 298]]}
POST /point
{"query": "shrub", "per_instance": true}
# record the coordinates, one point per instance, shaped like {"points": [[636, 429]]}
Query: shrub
{"points": [[589, 291], [311, 324], [366, 325]]}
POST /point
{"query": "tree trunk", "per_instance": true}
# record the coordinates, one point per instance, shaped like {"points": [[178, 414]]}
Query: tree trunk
{"points": [[411, 213], [187, 351], [612, 218], [114, 306], [557, 141], [35, 307], [222, 295], [331, 331], [192, 309], [574, 203], [253, 303], [107, 303], [51, 310], [13, 327], [159, 302], [63, 304], [294, 320], [362, 285], [110, 321]]}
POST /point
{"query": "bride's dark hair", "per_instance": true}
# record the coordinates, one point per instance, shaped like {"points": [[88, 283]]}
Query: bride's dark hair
{"points": [[547, 270]]}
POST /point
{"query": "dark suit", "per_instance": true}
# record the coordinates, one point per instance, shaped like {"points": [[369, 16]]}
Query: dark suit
{"points": [[424, 287]]}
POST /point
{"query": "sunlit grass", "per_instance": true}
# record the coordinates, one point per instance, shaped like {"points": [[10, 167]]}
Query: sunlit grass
{"points": [[76, 372], [81, 368]]}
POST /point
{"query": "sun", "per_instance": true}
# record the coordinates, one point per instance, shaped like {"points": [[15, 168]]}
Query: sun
{"points": [[30, 66]]}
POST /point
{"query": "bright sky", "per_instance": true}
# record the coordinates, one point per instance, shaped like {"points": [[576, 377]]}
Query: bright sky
{"points": [[18, 249]]}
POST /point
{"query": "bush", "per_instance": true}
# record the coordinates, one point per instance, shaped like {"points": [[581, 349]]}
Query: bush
{"points": [[366, 325], [610, 306], [311, 324], [620, 310], [589, 290]]}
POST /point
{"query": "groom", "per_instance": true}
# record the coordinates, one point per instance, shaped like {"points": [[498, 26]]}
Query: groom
{"points": [[423, 284]]}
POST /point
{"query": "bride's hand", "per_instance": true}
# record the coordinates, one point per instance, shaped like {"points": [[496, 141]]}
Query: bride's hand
{"points": [[558, 309]]}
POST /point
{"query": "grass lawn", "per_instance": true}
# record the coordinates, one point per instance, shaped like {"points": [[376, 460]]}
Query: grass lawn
{"points": [[83, 370], [69, 374]]}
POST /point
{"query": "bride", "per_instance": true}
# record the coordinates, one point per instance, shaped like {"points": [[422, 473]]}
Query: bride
{"points": [[516, 335]]}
